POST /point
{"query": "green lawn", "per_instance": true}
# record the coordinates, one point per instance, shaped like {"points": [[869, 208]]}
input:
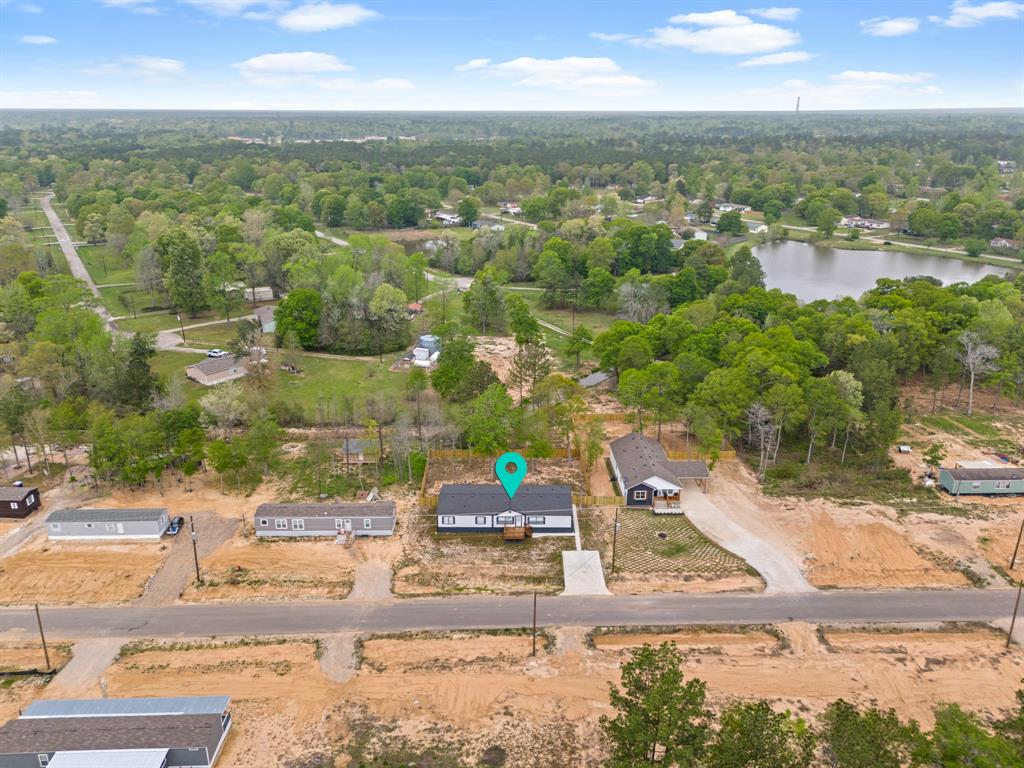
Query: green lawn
{"points": [[105, 267], [217, 335], [598, 322]]}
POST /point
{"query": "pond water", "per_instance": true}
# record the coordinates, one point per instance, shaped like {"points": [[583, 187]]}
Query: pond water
{"points": [[815, 272]]}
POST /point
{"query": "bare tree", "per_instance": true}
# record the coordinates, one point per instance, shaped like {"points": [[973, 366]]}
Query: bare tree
{"points": [[761, 431], [978, 358]]}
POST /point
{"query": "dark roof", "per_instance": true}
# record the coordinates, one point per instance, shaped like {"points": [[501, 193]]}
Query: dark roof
{"points": [[105, 515], [468, 499], [213, 365], [639, 458], [55, 734], [264, 314], [149, 705], [10, 493], [360, 445], [348, 509], [986, 473]]}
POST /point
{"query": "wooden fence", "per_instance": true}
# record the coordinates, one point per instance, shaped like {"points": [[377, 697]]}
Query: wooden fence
{"points": [[597, 501], [695, 455], [465, 453], [428, 502]]}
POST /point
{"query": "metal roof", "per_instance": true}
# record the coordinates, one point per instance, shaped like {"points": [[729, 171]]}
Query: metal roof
{"points": [[468, 499], [106, 515], [349, 509], [988, 473], [111, 758], [175, 705], [640, 458], [10, 493], [64, 734]]}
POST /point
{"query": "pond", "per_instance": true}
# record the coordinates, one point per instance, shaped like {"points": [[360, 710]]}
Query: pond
{"points": [[815, 272]]}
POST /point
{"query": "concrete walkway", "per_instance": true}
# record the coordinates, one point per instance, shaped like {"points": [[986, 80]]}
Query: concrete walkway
{"points": [[778, 567], [82, 677], [582, 573]]}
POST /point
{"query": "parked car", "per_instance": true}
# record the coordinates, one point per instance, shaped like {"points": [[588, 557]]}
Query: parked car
{"points": [[175, 526], [216, 353]]}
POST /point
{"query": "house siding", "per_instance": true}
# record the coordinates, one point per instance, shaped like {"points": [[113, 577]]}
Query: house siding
{"points": [[132, 529], [266, 526], [21, 507], [633, 501], [979, 487], [490, 524]]}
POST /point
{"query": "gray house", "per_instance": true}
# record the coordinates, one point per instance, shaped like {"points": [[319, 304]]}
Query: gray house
{"points": [[186, 732], [375, 518], [18, 502], [645, 475], [116, 524], [989, 481], [468, 508]]}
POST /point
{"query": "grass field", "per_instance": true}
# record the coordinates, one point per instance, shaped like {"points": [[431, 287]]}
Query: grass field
{"points": [[104, 266], [669, 544]]}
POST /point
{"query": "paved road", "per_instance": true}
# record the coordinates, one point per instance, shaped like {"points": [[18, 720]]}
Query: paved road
{"points": [[75, 264], [499, 612]]}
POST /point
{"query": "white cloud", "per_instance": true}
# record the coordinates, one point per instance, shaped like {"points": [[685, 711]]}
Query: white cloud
{"points": [[879, 78], [575, 73], [616, 37], [139, 66], [722, 31], [963, 14], [472, 64], [30, 8], [136, 6], [37, 39], [231, 7], [786, 57], [285, 68], [317, 17], [776, 14], [48, 99], [883, 26]]}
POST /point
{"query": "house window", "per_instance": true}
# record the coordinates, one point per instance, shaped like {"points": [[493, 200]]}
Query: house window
{"points": [[1003, 485], [264, 522], [367, 523], [640, 495], [448, 520], [536, 520], [44, 760], [480, 520], [298, 524], [975, 485], [88, 525], [339, 524], [31, 498], [14, 505], [504, 520], [110, 526], [54, 526], [281, 525]]}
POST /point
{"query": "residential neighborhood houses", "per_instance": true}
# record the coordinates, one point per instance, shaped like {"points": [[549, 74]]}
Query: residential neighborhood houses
{"points": [[117, 524], [18, 501], [647, 478], [859, 222], [308, 520], [179, 732], [217, 370], [467, 508]]}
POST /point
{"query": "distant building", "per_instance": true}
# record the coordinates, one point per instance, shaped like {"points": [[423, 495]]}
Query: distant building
{"points": [[725, 207], [512, 209], [185, 732], [1004, 243], [217, 370], [1006, 166], [265, 317], [470, 508], [448, 219], [859, 222], [116, 524], [645, 475], [18, 502], [983, 481], [646, 199], [308, 520], [360, 450]]}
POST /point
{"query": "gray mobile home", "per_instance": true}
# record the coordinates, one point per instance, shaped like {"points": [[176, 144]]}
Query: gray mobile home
{"points": [[467, 508], [376, 518], [994, 481], [116, 524], [185, 732], [18, 502]]}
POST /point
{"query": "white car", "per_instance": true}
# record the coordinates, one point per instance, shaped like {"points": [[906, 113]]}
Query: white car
{"points": [[216, 353]]}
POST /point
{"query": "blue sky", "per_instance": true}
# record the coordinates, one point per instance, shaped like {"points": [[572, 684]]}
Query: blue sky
{"points": [[552, 55]]}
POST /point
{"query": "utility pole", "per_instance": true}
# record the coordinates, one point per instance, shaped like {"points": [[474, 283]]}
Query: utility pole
{"points": [[615, 537], [1016, 607], [42, 637], [1013, 560], [534, 651], [195, 549]]}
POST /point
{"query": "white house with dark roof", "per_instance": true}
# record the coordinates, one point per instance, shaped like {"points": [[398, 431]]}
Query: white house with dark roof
{"points": [[376, 518], [645, 475], [217, 370], [470, 508], [116, 524]]}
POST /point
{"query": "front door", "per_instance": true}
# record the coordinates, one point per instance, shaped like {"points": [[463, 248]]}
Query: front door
{"points": [[347, 525], [120, 527]]}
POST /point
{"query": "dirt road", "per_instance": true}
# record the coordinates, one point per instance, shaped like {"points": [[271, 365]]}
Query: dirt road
{"points": [[178, 570]]}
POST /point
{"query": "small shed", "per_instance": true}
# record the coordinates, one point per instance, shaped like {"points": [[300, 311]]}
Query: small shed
{"points": [[993, 481], [265, 317], [375, 518], [217, 370], [18, 502], [116, 524], [359, 450]]}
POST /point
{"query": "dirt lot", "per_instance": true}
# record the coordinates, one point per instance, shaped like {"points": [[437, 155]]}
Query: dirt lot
{"points": [[82, 573], [540, 471], [245, 568], [17, 692]]}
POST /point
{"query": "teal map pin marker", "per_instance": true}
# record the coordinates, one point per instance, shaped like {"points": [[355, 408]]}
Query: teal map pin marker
{"points": [[510, 469]]}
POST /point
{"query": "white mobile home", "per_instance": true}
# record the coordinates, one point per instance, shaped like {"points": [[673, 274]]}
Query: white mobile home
{"points": [[307, 520], [466, 508], [116, 524]]}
